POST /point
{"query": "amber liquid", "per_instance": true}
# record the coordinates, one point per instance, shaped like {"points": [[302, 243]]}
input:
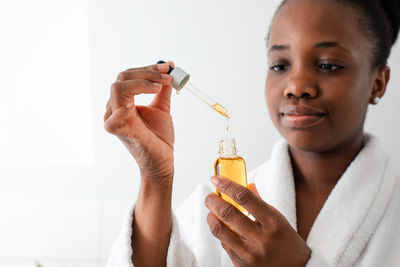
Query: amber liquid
{"points": [[235, 170], [221, 110]]}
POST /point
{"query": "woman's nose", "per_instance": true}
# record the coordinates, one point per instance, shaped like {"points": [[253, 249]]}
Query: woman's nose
{"points": [[300, 88]]}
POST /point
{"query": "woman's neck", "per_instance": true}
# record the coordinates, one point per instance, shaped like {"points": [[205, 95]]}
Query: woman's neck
{"points": [[319, 172]]}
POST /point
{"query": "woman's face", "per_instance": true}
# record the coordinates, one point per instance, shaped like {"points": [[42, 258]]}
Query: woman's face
{"points": [[320, 77]]}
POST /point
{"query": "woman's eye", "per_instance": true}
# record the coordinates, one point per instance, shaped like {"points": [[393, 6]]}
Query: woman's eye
{"points": [[329, 67], [279, 67]]}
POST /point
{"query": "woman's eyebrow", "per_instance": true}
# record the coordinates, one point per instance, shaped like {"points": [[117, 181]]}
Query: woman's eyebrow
{"points": [[276, 47], [324, 44], [329, 44]]}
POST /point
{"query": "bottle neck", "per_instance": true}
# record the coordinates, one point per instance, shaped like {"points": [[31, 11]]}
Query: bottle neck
{"points": [[227, 148]]}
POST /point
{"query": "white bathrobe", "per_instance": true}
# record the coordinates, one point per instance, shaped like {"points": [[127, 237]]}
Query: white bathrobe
{"points": [[359, 224]]}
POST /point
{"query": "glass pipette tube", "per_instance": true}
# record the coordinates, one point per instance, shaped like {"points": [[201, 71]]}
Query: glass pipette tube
{"points": [[180, 80], [207, 100]]}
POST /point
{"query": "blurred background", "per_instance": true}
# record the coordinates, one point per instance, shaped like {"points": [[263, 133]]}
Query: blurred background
{"points": [[65, 183]]}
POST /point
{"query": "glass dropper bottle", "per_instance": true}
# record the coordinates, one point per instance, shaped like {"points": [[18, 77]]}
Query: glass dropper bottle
{"points": [[230, 165], [180, 80]]}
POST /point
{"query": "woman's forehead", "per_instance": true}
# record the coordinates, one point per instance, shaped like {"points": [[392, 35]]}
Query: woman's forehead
{"points": [[308, 22]]}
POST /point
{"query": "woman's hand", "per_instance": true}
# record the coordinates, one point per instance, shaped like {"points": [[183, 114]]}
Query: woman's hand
{"points": [[267, 241], [147, 131]]}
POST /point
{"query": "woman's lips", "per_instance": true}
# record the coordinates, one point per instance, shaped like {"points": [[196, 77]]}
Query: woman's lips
{"points": [[296, 116]]}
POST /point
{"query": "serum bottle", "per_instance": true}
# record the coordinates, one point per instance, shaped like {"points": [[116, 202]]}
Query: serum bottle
{"points": [[231, 166]]}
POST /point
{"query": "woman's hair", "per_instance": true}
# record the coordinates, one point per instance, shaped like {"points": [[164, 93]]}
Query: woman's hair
{"points": [[380, 21]]}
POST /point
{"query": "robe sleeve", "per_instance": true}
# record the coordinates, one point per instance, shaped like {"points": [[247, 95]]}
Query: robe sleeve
{"points": [[317, 259], [121, 251], [180, 249], [179, 254]]}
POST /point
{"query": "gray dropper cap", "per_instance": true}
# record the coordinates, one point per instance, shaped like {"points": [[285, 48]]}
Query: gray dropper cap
{"points": [[179, 76]]}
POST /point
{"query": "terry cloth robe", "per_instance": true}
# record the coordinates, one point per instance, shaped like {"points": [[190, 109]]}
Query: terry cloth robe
{"points": [[359, 224]]}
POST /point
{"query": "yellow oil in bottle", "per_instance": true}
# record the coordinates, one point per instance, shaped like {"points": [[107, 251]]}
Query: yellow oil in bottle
{"points": [[233, 167]]}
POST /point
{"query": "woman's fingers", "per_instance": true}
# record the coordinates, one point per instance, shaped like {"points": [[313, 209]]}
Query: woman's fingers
{"points": [[171, 63], [223, 233], [266, 242], [123, 92], [108, 111], [262, 211], [143, 80], [148, 74], [162, 100], [231, 242], [236, 260], [231, 216], [163, 67], [149, 79], [118, 121]]}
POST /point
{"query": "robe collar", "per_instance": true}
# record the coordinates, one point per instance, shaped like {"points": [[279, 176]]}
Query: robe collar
{"points": [[352, 211]]}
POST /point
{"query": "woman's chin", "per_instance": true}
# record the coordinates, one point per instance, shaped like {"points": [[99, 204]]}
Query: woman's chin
{"points": [[309, 141]]}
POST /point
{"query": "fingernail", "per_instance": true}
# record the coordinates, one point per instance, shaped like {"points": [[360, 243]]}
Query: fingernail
{"points": [[214, 180], [163, 67], [157, 86], [166, 77]]}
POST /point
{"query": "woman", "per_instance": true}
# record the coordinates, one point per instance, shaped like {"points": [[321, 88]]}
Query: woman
{"points": [[327, 196]]}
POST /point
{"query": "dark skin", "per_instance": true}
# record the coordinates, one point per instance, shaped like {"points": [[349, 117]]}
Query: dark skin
{"points": [[336, 78], [318, 88]]}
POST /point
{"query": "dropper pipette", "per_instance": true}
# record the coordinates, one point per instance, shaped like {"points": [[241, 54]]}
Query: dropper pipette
{"points": [[180, 80], [207, 100]]}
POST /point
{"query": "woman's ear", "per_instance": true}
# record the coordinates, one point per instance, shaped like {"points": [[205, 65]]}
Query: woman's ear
{"points": [[380, 83]]}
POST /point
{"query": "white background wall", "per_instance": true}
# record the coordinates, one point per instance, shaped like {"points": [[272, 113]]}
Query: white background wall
{"points": [[66, 210]]}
